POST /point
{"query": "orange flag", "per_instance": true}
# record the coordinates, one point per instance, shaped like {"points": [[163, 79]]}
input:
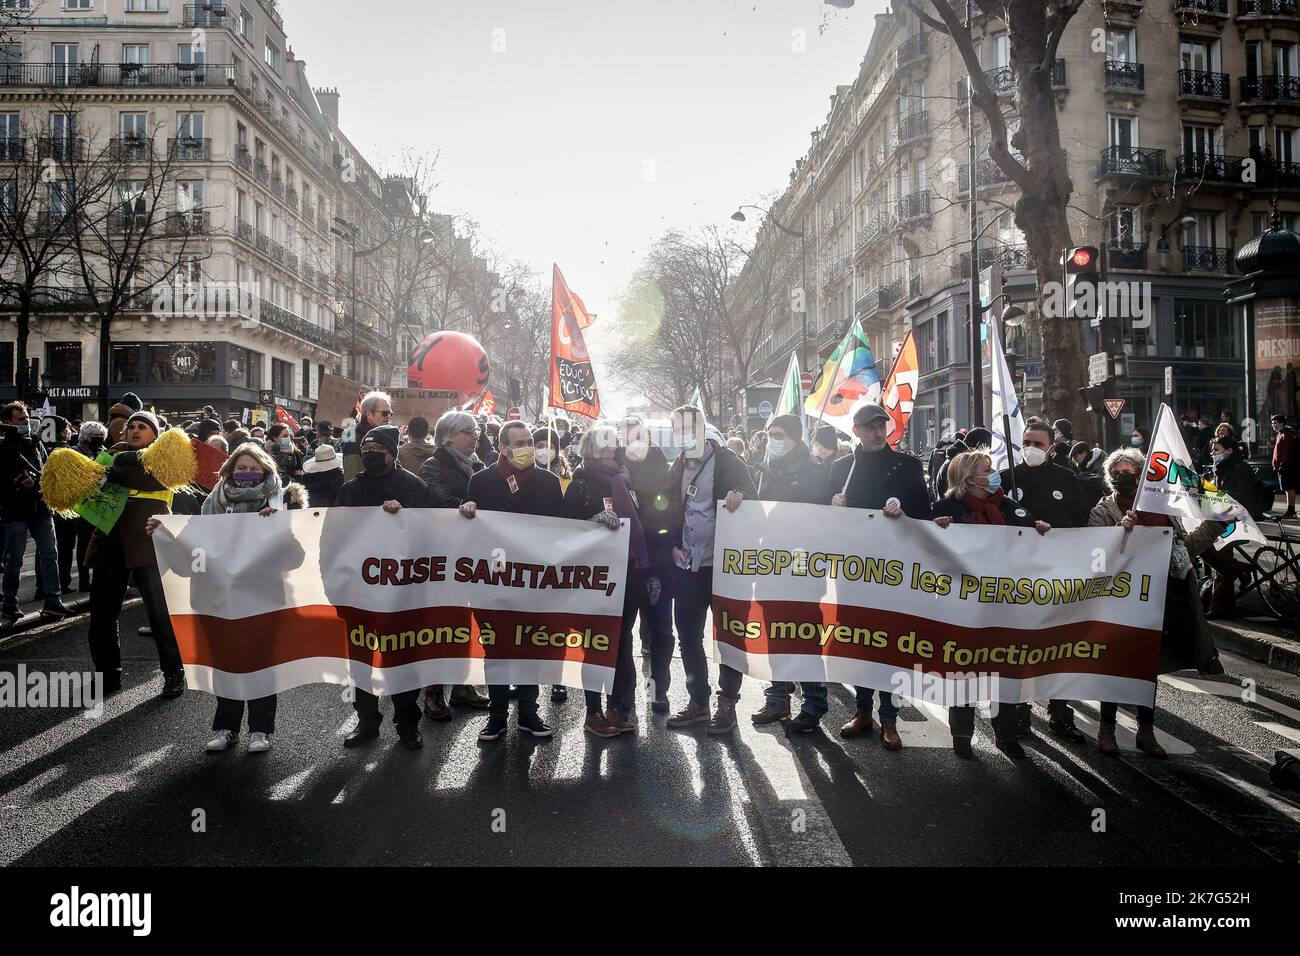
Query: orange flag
{"points": [[487, 404], [573, 380], [284, 417], [899, 392]]}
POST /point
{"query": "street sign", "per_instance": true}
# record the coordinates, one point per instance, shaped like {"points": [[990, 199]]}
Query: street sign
{"points": [[1113, 407], [1169, 380], [1098, 368], [765, 409], [513, 413], [806, 382]]}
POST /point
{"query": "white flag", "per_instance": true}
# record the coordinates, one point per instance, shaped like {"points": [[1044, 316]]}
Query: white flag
{"points": [[1008, 424], [1170, 486]]}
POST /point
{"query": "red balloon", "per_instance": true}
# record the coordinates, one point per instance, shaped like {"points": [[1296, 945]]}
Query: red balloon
{"points": [[449, 361]]}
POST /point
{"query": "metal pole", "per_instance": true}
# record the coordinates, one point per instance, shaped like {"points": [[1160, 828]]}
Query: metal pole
{"points": [[976, 356], [352, 351], [803, 293]]}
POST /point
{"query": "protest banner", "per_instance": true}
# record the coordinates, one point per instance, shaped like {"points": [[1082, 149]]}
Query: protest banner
{"points": [[338, 398], [933, 613], [428, 402], [392, 602]]}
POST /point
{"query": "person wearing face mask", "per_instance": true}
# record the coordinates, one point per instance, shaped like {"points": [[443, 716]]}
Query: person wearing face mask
{"points": [[1140, 440], [825, 446], [376, 410], [975, 496], [386, 484], [284, 452], [702, 474], [1087, 462], [549, 455], [1186, 640], [1286, 462], [23, 512], [1053, 494], [516, 485]]}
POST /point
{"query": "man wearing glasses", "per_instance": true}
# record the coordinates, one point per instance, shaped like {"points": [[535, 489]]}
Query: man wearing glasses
{"points": [[376, 410]]}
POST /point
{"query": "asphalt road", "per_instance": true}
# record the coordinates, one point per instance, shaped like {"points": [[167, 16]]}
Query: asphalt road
{"points": [[132, 786]]}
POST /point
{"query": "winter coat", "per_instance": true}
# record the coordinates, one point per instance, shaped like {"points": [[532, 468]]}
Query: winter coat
{"points": [[538, 494], [729, 474], [875, 477], [128, 542], [1013, 513], [365, 491], [413, 454], [1050, 492], [795, 476], [322, 487], [446, 479], [20, 455], [648, 481]]}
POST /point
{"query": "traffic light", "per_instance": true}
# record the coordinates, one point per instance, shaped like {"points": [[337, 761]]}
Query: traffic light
{"points": [[1093, 396], [1081, 273]]}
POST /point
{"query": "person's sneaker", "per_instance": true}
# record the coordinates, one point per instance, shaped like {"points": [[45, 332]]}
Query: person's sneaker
{"points": [[1147, 743], [144, 630], [410, 738], [724, 716], [258, 742], [220, 741], [771, 713], [173, 686], [962, 748], [435, 703], [660, 705], [619, 721], [467, 695], [55, 611], [1066, 731], [802, 723], [1106, 742], [1011, 747], [599, 726], [533, 724], [559, 694], [889, 738], [494, 728], [693, 713]]}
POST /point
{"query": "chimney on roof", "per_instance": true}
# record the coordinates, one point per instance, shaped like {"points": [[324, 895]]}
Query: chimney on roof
{"points": [[328, 97]]}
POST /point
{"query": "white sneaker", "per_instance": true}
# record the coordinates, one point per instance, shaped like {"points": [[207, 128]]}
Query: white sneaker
{"points": [[258, 742], [220, 741]]}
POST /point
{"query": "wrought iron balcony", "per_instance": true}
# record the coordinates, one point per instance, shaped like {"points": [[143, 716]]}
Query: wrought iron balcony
{"points": [[915, 47], [1125, 76], [1211, 86], [121, 222], [244, 159], [873, 229], [52, 222], [913, 126], [66, 148], [277, 187], [191, 223], [1266, 8], [291, 262], [263, 243], [890, 293], [1217, 8], [209, 16], [261, 173], [277, 252], [117, 74], [913, 206], [987, 173], [1001, 79], [1270, 89], [867, 304], [1207, 259], [291, 197], [244, 230], [1126, 255], [1211, 169], [285, 321], [1012, 258], [130, 149], [13, 149], [190, 149], [1136, 161], [1270, 174]]}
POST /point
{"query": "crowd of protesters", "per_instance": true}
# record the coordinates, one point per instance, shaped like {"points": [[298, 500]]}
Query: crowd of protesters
{"points": [[610, 473]]}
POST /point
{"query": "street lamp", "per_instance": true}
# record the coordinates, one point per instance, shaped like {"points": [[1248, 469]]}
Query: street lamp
{"points": [[739, 216]]}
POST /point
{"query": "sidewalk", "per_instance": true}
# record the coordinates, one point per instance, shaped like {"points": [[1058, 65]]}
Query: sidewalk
{"points": [[77, 601]]}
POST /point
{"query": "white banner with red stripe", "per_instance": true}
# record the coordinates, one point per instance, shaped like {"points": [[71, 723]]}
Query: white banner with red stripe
{"points": [[957, 615], [392, 602]]}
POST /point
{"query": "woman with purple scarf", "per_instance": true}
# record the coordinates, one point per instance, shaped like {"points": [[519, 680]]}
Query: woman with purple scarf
{"points": [[599, 492]]}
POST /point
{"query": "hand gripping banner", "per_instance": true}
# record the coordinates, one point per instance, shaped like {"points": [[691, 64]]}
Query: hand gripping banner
{"points": [[957, 615], [392, 602]]}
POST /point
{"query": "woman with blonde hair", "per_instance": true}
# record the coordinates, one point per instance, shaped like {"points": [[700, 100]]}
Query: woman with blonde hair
{"points": [[975, 496]]}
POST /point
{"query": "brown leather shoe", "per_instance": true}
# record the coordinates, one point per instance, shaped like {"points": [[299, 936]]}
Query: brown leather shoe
{"points": [[618, 721], [860, 725], [467, 695], [597, 724], [889, 738], [692, 713]]}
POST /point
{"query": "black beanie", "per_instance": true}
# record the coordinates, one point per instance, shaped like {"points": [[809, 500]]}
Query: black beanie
{"points": [[386, 435], [827, 437], [132, 401], [790, 424]]}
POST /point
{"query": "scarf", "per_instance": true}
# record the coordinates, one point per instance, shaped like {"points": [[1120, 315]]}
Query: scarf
{"points": [[505, 469], [228, 499], [624, 506], [1145, 518], [465, 463], [985, 510]]}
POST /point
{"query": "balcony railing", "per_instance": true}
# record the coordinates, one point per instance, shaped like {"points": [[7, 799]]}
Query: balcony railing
{"points": [[277, 252], [1001, 79], [1213, 7], [284, 320], [121, 222], [291, 262], [130, 149], [277, 187], [192, 223], [867, 304], [915, 47], [891, 293], [244, 230], [1266, 8], [263, 243], [13, 149], [987, 173], [261, 173], [117, 74], [190, 149], [1271, 88], [1136, 161], [1207, 259], [291, 197], [873, 229], [913, 206], [244, 159], [51, 222], [1122, 75], [1212, 169], [209, 15], [913, 126], [1012, 258], [66, 148], [1213, 86], [1132, 255]]}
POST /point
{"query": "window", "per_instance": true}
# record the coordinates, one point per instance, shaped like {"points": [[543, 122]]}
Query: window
{"points": [[1201, 141], [189, 196], [1205, 329], [1123, 131], [146, 6], [190, 55], [11, 134], [59, 199], [126, 365], [11, 58], [63, 362], [1205, 231], [65, 59], [135, 63], [306, 374], [1284, 59], [78, 4], [1121, 46], [189, 126], [182, 363], [273, 58], [1258, 141], [281, 377], [1201, 56], [245, 25], [7, 363], [1125, 227], [9, 195], [1284, 144], [1254, 59], [943, 351], [244, 367]]}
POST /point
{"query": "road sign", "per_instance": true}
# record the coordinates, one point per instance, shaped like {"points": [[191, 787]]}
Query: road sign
{"points": [[265, 397], [1098, 368], [806, 382], [765, 409], [513, 413], [1169, 380], [1113, 407]]}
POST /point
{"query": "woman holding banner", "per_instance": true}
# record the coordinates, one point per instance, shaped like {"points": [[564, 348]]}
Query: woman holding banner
{"points": [[1185, 640], [975, 496]]}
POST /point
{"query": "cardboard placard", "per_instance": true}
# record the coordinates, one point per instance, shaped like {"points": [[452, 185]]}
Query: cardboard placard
{"points": [[338, 398], [431, 403]]}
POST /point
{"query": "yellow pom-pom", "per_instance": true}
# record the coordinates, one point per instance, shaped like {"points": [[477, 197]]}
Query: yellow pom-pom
{"points": [[170, 459], [68, 478]]}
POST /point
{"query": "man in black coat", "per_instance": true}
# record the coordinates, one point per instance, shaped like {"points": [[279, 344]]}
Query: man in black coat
{"points": [[23, 512], [384, 483], [704, 473], [1052, 493], [877, 477], [514, 484]]}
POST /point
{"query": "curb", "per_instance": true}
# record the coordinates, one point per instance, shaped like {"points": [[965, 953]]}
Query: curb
{"points": [[33, 619], [1279, 653]]}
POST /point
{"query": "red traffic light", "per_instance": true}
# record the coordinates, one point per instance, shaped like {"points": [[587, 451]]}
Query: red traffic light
{"points": [[1082, 258]]}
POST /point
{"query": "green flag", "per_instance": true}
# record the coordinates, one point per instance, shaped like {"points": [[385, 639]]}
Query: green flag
{"points": [[697, 400], [791, 400]]}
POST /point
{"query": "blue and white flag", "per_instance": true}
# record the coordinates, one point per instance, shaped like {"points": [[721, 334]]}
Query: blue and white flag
{"points": [[1008, 424]]}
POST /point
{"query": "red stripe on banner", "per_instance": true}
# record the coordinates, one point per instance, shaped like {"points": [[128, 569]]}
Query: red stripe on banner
{"points": [[388, 639], [1094, 647]]}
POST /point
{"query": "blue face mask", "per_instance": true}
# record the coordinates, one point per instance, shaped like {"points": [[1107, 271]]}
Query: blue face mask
{"points": [[995, 482], [1136, 441], [776, 447], [24, 430], [1220, 459], [688, 442]]}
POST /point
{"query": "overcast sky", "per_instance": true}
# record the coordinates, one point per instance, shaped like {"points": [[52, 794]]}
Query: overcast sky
{"points": [[577, 131]]}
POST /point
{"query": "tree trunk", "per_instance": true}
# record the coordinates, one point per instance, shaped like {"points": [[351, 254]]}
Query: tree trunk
{"points": [[20, 347], [105, 355]]}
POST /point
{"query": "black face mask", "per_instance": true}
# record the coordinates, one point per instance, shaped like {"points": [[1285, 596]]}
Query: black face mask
{"points": [[95, 444], [1125, 483], [375, 462]]}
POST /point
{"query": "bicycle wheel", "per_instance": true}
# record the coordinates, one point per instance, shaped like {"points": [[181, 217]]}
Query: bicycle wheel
{"points": [[1279, 582]]}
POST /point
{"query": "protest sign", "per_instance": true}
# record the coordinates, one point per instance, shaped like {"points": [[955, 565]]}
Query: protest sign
{"points": [[338, 398], [392, 602], [814, 593], [428, 402]]}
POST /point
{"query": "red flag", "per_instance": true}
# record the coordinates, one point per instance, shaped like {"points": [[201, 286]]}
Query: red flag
{"points": [[282, 416], [487, 404], [899, 392], [573, 380], [210, 459]]}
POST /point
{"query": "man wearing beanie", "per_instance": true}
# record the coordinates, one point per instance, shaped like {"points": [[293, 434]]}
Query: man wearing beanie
{"points": [[825, 445], [127, 553], [386, 484], [790, 474], [119, 413]]}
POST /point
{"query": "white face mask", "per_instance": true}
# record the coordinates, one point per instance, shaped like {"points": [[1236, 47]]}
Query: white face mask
{"points": [[1033, 456], [543, 456], [637, 451]]}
